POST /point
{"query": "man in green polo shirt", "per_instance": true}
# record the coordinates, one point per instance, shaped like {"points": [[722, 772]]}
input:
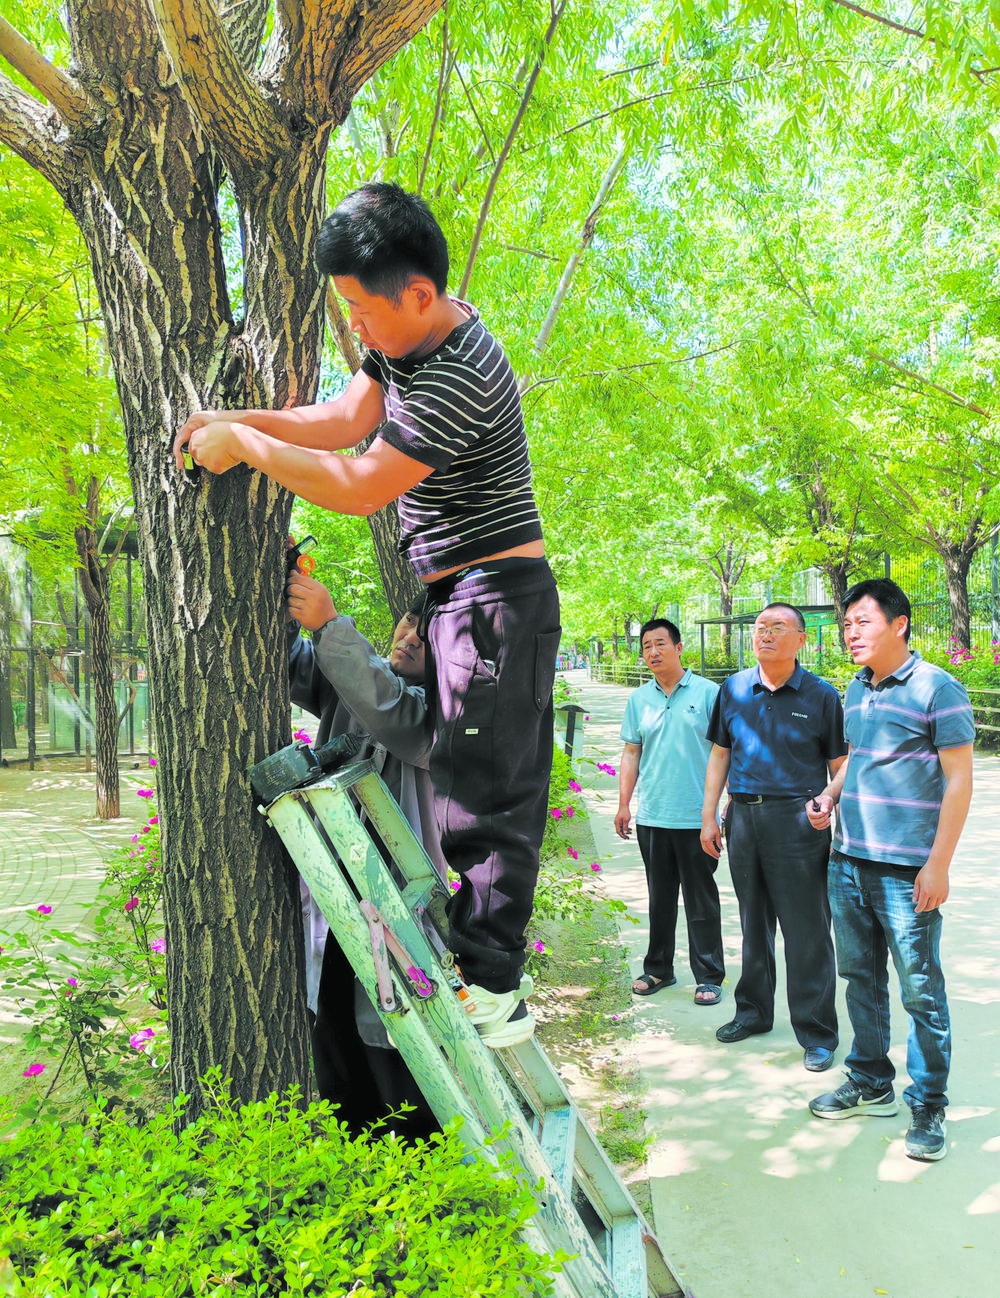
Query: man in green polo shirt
{"points": [[665, 731]]}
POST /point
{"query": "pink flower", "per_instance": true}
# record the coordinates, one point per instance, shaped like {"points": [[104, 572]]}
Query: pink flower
{"points": [[556, 812], [302, 736], [131, 904], [569, 811], [154, 820], [34, 1070], [586, 718], [454, 885], [141, 1039], [573, 853], [45, 910], [71, 982], [158, 946], [152, 761], [135, 838], [595, 867], [539, 946], [145, 793], [577, 788]]}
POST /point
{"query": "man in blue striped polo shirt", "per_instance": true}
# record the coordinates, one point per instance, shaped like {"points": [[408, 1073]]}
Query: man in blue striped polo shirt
{"points": [[904, 795]]}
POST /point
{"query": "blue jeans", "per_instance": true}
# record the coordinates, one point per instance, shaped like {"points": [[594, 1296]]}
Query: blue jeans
{"points": [[873, 917]]}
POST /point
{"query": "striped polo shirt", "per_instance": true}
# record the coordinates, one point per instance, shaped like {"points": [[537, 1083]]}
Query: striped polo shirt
{"points": [[891, 801], [458, 409]]}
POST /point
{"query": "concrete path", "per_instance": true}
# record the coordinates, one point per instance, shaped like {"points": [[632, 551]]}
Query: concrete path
{"points": [[53, 848], [751, 1196]]}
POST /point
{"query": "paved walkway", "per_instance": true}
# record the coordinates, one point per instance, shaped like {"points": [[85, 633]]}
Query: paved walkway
{"points": [[53, 848], [753, 1197]]}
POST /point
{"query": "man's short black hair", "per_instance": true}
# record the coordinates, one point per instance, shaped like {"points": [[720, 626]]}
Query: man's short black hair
{"points": [[655, 623], [887, 595], [383, 236], [800, 621]]}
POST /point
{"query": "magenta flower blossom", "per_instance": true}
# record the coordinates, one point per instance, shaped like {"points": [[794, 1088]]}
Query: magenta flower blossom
{"points": [[595, 867], [154, 820], [135, 838], [34, 1070], [45, 910], [146, 793], [301, 735], [556, 812], [608, 770], [539, 946], [131, 904], [573, 853], [71, 982], [152, 761], [158, 946], [454, 885], [577, 788], [141, 1039], [586, 718], [569, 811]]}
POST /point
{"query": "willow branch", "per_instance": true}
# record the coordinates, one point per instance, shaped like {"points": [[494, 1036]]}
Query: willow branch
{"points": [[443, 74], [515, 126], [586, 238], [63, 92], [347, 343]]}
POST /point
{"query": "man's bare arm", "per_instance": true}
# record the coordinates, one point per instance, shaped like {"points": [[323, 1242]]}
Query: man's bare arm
{"points": [[715, 782], [345, 484], [628, 773], [931, 887], [334, 425], [819, 809]]}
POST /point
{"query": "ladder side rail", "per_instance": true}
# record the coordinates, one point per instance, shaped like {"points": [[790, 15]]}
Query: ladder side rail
{"points": [[340, 907], [448, 1024]]}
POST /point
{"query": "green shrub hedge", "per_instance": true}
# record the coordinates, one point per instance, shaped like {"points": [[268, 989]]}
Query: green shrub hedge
{"points": [[264, 1199]]}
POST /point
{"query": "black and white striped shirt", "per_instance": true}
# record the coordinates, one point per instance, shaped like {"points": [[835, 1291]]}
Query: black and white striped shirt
{"points": [[458, 410]]}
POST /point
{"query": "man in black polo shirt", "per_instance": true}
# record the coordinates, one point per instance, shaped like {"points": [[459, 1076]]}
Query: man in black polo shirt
{"points": [[777, 732]]}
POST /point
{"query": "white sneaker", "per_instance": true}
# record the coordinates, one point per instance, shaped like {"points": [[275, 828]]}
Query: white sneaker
{"points": [[502, 1018]]}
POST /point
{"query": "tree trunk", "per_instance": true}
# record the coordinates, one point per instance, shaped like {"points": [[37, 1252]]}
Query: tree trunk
{"points": [[105, 713], [837, 575], [213, 564], [956, 572], [137, 138], [7, 737]]}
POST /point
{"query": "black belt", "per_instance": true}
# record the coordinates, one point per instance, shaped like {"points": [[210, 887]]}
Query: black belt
{"points": [[752, 799]]}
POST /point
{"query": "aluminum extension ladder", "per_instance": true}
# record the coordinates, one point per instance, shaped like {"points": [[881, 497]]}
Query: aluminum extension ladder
{"points": [[584, 1208]]}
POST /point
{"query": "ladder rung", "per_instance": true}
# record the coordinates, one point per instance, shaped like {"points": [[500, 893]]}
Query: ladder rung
{"points": [[558, 1143]]}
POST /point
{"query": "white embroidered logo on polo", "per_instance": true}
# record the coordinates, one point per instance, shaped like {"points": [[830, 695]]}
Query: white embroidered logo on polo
{"points": [[803, 715]]}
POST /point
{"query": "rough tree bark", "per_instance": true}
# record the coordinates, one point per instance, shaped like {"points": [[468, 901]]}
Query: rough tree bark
{"points": [[163, 104]]}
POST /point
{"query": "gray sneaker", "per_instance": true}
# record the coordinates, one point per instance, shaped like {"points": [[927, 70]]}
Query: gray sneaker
{"points": [[854, 1099], [925, 1139]]}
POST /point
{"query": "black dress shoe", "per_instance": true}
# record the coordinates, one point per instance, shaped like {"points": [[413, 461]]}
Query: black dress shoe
{"points": [[736, 1031], [817, 1058]]}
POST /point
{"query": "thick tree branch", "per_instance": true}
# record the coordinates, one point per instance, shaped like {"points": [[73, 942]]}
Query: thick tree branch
{"points": [[226, 98], [515, 126], [24, 130], [65, 95], [322, 51]]}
